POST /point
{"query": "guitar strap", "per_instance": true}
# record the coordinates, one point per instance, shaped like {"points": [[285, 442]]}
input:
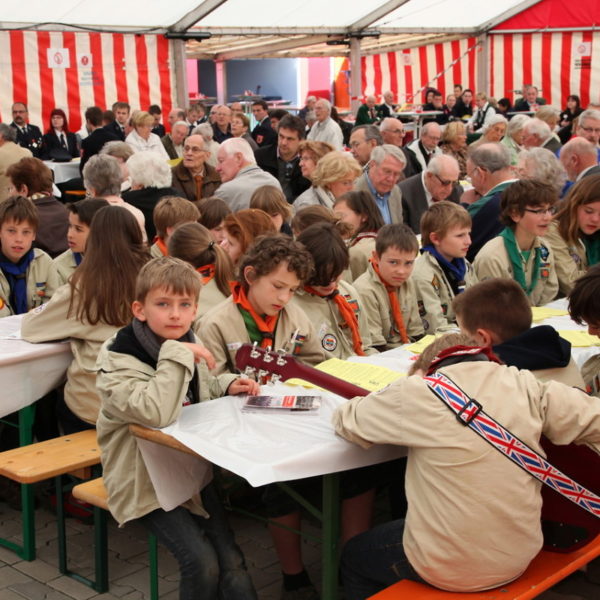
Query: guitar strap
{"points": [[471, 414]]}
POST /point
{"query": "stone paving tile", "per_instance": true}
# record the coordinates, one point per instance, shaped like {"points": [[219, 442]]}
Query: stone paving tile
{"points": [[33, 590], [72, 588], [10, 575], [38, 570], [8, 594]]}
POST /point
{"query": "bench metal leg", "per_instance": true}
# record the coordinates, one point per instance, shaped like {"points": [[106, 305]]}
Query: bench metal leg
{"points": [[153, 553], [331, 527]]}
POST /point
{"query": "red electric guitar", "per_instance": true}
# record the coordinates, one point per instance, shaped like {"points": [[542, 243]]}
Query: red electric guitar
{"points": [[566, 526]]}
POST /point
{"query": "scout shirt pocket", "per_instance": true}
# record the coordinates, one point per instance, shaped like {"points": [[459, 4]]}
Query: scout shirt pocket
{"points": [[39, 294]]}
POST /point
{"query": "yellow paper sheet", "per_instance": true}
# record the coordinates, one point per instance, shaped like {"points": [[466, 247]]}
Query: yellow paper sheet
{"points": [[419, 346], [578, 338], [370, 377], [543, 312]]}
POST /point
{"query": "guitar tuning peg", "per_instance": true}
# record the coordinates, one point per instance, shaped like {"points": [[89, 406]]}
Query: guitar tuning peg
{"points": [[281, 359], [254, 353], [249, 371], [275, 378]]}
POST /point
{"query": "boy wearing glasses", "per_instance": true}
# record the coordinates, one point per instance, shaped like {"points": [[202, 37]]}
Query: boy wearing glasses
{"points": [[519, 252]]}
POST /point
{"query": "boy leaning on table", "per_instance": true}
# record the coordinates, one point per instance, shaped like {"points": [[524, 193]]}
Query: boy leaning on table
{"points": [[28, 276], [584, 307], [146, 373]]}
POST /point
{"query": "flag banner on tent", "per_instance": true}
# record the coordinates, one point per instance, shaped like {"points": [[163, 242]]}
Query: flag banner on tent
{"points": [[558, 63], [407, 72], [74, 71]]}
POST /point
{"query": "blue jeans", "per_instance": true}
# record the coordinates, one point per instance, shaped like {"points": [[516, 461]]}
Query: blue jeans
{"points": [[374, 560], [211, 563]]}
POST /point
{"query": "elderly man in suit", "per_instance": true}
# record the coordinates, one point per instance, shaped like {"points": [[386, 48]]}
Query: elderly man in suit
{"points": [[439, 181], [579, 157], [426, 147], [385, 170], [28, 136], [326, 129], [173, 142], [530, 100], [10, 153]]}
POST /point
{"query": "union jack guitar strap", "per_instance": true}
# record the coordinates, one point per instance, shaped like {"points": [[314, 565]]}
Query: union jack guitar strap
{"points": [[471, 414]]}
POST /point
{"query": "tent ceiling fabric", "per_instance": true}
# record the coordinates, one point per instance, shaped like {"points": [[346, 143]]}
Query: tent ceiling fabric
{"points": [[274, 28]]}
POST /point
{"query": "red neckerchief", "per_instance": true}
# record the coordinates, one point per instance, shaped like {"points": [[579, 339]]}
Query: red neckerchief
{"points": [[394, 304], [207, 272], [462, 351], [347, 314], [161, 245], [265, 325]]}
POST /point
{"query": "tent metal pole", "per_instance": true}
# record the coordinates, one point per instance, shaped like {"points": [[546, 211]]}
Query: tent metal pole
{"points": [[355, 74], [179, 59]]}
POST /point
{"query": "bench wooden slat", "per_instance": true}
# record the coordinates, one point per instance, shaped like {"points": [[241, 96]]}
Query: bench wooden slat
{"points": [[36, 462], [93, 492], [546, 569]]}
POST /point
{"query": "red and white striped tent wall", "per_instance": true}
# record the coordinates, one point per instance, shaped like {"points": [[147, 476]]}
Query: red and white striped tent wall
{"points": [[408, 71], [73, 71]]}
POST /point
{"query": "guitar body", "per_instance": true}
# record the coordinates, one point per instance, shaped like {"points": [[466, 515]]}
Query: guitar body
{"points": [[566, 526]]}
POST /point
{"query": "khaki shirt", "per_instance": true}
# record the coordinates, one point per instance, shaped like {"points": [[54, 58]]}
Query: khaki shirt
{"points": [[222, 330], [42, 281], [134, 392], [333, 333], [210, 296], [376, 305], [155, 251], [492, 261], [570, 261], [65, 266], [360, 254], [435, 292], [591, 375], [52, 322], [473, 520]]}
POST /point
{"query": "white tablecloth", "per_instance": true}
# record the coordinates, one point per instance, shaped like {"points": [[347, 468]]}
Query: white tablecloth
{"points": [[63, 171], [28, 371]]}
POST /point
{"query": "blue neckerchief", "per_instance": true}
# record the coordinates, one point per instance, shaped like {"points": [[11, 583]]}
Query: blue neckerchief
{"points": [[16, 275], [457, 267], [77, 256]]}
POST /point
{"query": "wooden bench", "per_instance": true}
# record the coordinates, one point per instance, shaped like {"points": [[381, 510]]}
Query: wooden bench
{"points": [[546, 570], [93, 492], [37, 462]]}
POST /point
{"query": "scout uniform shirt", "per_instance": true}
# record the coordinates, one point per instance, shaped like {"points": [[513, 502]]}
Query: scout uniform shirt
{"points": [[435, 294], [492, 261], [360, 251], [65, 264], [376, 305], [42, 281], [222, 330], [333, 334], [570, 261]]}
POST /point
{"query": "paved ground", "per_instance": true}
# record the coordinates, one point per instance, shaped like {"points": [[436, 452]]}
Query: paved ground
{"points": [[128, 558]]}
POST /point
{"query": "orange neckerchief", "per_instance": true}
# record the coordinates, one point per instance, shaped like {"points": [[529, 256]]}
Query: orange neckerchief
{"points": [[161, 245], [265, 325], [347, 314], [207, 272], [394, 304]]}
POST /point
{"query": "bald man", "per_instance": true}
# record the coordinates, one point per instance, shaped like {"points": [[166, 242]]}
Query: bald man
{"points": [[367, 113]]}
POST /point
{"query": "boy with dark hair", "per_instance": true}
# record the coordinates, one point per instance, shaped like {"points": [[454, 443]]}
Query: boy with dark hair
{"points": [[442, 271], [497, 314], [520, 252], [28, 276], [584, 307], [388, 291], [170, 212], [146, 373]]}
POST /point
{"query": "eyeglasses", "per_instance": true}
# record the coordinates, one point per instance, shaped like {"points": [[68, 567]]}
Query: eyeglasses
{"points": [[193, 149], [542, 211], [445, 182], [591, 129]]}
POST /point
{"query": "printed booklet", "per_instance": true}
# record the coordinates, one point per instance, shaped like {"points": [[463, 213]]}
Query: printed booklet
{"points": [[282, 404]]}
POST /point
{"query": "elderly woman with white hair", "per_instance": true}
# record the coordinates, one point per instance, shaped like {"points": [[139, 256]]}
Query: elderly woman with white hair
{"points": [[493, 130], [513, 139], [141, 139], [150, 181], [210, 145], [334, 175], [541, 164]]}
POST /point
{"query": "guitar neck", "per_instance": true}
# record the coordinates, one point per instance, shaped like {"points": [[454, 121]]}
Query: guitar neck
{"points": [[329, 382]]}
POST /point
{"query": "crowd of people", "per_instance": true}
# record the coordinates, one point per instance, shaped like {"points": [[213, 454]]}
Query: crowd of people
{"points": [[329, 240]]}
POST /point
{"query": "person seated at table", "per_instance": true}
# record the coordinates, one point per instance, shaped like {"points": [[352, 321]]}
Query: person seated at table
{"points": [[90, 309], [240, 126], [538, 349], [359, 211], [567, 116], [519, 252], [81, 214], [541, 164], [442, 271], [241, 228], [367, 112], [141, 138], [437, 104], [463, 109], [574, 233], [169, 213], [456, 486], [259, 310], [482, 115], [493, 130], [213, 211], [193, 243], [333, 305], [584, 308], [387, 291], [147, 372], [31, 178], [271, 200], [58, 142], [454, 143], [28, 276]]}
